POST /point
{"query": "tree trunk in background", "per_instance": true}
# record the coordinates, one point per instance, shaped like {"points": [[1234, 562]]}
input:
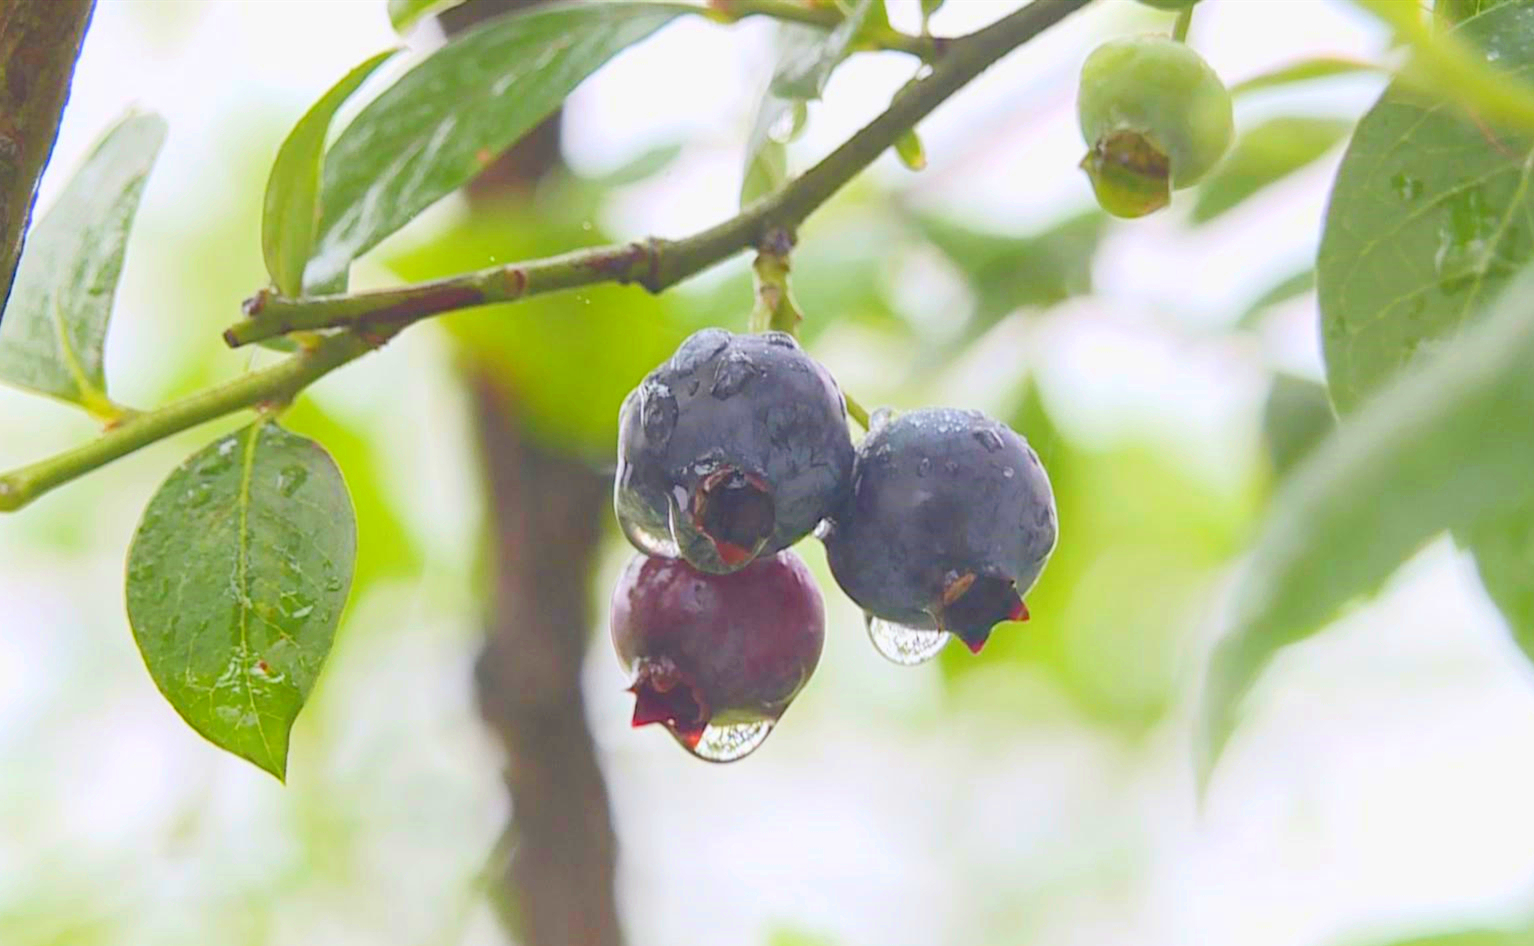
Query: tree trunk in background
{"points": [[39, 43], [546, 511]]}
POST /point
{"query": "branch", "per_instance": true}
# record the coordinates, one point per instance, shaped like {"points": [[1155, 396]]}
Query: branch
{"points": [[659, 264], [39, 43], [925, 48], [270, 386], [374, 317]]}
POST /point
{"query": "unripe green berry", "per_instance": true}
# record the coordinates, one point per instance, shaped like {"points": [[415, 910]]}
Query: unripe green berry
{"points": [[1156, 118]]}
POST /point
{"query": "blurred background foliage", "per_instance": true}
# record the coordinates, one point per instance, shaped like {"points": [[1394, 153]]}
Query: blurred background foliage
{"points": [[1165, 371]]}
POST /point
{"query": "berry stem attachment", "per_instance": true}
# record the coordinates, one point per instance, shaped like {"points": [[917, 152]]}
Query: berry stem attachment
{"points": [[1183, 21], [855, 410], [775, 309], [372, 318]]}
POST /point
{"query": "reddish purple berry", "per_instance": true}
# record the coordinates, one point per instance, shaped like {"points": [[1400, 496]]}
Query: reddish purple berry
{"points": [[949, 523], [734, 448], [717, 658]]}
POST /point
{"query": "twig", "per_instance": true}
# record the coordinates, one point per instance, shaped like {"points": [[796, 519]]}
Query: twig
{"points": [[372, 318]]}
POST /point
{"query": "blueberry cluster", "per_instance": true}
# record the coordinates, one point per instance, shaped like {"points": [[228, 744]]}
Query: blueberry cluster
{"points": [[737, 447]]}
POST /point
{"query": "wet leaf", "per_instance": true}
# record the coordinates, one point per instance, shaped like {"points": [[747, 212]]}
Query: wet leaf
{"points": [[447, 118], [1264, 155], [1430, 216], [56, 321], [1443, 447], [291, 212], [237, 577]]}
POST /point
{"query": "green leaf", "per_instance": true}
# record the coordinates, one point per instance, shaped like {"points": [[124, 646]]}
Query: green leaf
{"points": [[447, 118], [1305, 70], [910, 152], [1431, 214], [805, 67], [237, 577], [1429, 217], [1504, 556], [1450, 12], [1291, 286], [404, 14], [291, 213], [1267, 153], [1008, 273], [766, 157], [56, 322], [1443, 447], [1297, 416]]}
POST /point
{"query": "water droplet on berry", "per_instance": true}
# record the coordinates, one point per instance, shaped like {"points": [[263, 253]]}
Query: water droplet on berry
{"points": [[989, 439], [698, 348], [823, 529], [657, 414], [880, 417], [907, 646], [731, 374], [728, 743], [1008, 472]]}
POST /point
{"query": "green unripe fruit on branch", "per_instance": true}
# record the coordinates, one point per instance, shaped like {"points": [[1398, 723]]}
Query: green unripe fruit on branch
{"points": [[1156, 119]]}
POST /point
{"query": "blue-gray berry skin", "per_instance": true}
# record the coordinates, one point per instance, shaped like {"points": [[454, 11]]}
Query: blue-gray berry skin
{"points": [[948, 524], [734, 448]]}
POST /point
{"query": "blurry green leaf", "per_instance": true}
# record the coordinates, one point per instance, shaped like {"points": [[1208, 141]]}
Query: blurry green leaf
{"points": [[1504, 555], [447, 118], [805, 66], [1306, 70], [793, 936], [555, 356], [1509, 937], [291, 211], [385, 546], [1008, 273], [1263, 155], [237, 577], [642, 167], [403, 14], [1297, 416], [56, 321], [1292, 286], [910, 152], [766, 156], [1450, 12], [1444, 446], [766, 159], [1429, 218]]}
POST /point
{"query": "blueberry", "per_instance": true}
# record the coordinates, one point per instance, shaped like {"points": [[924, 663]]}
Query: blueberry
{"points": [[948, 524], [710, 653], [736, 447]]}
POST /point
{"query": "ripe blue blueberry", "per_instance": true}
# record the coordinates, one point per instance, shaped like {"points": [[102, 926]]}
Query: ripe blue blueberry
{"points": [[736, 447], [948, 524]]}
